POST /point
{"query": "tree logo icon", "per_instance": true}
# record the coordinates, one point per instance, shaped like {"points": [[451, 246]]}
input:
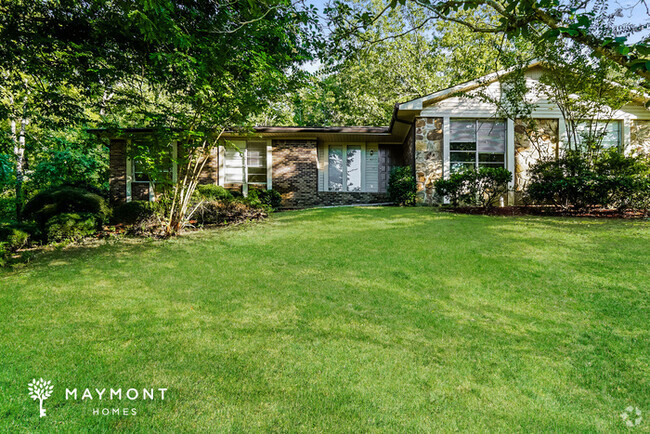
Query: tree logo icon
{"points": [[40, 390]]}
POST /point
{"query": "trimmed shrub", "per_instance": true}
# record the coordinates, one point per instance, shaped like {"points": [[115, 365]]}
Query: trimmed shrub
{"points": [[13, 238], [136, 212], [47, 204], [70, 226], [213, 192], [576, 180], [269, 198], [452, 188], [402, 187], [475, 187]]}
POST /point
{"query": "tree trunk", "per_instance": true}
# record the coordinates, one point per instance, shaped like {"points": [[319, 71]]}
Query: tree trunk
{"points": [[19, 153]]}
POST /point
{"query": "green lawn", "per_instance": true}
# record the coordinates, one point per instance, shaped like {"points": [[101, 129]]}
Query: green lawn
{"points": [[349, 319]]}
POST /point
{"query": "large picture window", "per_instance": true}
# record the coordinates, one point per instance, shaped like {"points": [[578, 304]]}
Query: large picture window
{"points": [[348, 168], [475, 143]]}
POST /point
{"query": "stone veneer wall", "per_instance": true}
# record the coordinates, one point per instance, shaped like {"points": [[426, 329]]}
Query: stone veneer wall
{"points": [[531, 145], [117, 171], [428, 156], [639, 137]]}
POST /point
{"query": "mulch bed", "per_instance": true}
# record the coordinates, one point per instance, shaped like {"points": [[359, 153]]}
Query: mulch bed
{"points": [[550, 211]]}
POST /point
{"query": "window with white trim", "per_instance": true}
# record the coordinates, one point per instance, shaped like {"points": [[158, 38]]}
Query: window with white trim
{"points": [[348, 168], [604, 134], [475, 143], [246, 161]]}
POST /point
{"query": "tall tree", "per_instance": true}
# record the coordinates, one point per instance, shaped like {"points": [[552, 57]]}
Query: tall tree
{"points": [[587, 23], [364, 75], [193, 68]]}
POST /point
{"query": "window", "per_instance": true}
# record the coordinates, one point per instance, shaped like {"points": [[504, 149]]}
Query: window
{"points": [[605, 134], [140, 173], [245, 162], [354, 168], [335, 162], [475, 143], [348, 168], [154, 168], [160, 165]]}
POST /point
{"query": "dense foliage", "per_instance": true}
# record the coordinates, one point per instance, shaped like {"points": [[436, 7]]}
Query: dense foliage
{"points": [[136, 212], [50, 203], [402, 187], [213, 192], [271, 199], [70, 226], [577, 181], [482, 187]]}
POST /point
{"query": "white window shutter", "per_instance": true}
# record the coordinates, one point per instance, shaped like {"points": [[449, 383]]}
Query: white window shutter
{"points": [[372, 167], [321, 167]]}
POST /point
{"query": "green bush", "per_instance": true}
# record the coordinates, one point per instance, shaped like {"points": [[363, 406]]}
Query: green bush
{"points": [[480, 187], [13, 238], [47, 204], [70, 226], [136, 212], [213, 192], [576, 180], [272, 199], [402, 188], [452, 188]]}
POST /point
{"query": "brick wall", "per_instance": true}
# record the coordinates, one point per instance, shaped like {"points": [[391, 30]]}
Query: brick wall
{"points": [[117, 166], [295, 176], [210, 172], [295, 172]]}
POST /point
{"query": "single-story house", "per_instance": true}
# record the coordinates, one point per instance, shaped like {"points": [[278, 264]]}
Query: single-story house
{"points": [[434, 135]]}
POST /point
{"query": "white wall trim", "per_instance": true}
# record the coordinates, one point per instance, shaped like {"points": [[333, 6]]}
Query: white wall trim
{"points": [[269, 164], [446, 131], [626, 137], [510, 151], [221, 165], [129, 171]]}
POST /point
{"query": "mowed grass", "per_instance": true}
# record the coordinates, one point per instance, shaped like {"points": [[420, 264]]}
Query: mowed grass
{"points": [[340, 320]]}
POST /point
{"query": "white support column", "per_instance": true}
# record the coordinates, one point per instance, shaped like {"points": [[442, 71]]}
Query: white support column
{"points": [[563, 139], [446, 131], [222, 166], [129, 171], [269, 165], [344, 161], [510, 158], [626, 139], [245, 171], [363, 167]]}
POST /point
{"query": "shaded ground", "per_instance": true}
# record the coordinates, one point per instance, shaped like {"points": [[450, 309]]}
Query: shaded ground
{"points": [[551, 212]]}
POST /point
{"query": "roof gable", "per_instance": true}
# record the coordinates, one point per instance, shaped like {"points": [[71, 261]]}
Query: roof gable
{"points": [[420, 103]]}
